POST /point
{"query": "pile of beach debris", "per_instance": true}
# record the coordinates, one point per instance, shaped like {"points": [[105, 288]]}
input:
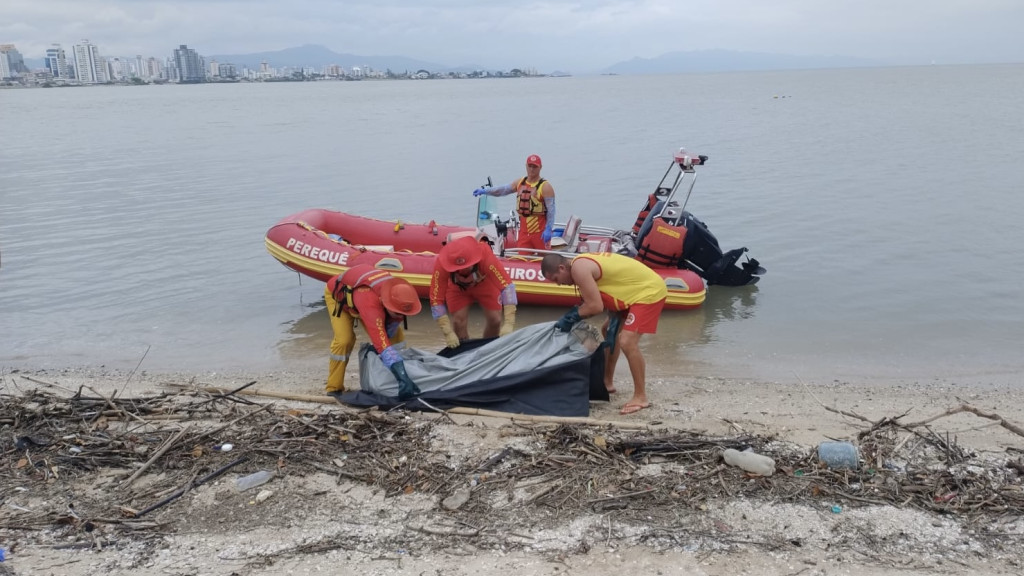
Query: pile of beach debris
{"points": [[88, 459]]}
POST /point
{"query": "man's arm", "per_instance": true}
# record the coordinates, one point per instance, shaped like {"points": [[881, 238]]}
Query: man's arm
{"points": [[547, 193], [438, 288], [503, 190], [373, 317], [585, 273]]}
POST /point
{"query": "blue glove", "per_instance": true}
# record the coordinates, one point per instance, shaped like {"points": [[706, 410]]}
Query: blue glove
{"points": [[565, 323], [406, 387], [614, 323], [480, 191], [546, 235]]}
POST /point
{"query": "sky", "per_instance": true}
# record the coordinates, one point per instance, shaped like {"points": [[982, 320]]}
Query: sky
{"points": [[545, 35]]}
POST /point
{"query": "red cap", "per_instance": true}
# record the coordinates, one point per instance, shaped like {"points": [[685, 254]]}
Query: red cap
{"points": [[400, 297], [460, 253], [534, 159]]}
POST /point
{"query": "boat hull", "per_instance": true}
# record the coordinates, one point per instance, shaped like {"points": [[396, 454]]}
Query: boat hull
{"points": [[323, 243]]}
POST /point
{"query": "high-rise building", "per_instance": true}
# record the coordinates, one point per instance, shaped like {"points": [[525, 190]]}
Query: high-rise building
{"points": [[11, 62], [214, 69], [89, 67], [57, 62], [188, 64], [118, 69], [153, 68]]}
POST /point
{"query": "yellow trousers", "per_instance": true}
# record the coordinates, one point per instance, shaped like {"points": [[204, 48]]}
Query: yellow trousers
{"points": [[343, 341]]}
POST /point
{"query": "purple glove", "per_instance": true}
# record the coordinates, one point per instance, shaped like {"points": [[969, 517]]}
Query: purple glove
{"points": [[480, 191], [546, 235]]}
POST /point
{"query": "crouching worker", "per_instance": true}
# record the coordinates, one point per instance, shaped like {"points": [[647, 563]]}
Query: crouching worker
{"points": [[467, 271], [382, 302], [634, 296]]}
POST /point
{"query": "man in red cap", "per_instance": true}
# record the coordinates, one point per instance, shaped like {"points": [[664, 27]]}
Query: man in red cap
{"points": [[382, 302], [536, 205], [467, 271]]}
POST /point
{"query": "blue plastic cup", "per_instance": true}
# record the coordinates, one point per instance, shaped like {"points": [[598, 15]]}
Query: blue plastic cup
{"points": [[839, 455]]}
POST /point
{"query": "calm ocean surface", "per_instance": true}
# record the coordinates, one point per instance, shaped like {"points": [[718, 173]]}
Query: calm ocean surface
{"points": [[886, 205]]}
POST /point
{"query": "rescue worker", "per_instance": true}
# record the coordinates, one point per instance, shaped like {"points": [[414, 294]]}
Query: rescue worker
{"points": [[536, 205], [634, 296], [466, 271], [381, 302]]}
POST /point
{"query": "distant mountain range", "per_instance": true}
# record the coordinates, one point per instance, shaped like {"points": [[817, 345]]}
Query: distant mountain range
{"points": [[728, 60], [317, 56]]}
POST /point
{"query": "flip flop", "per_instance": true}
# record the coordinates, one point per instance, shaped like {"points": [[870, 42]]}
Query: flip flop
{"points": [[633, 408]]}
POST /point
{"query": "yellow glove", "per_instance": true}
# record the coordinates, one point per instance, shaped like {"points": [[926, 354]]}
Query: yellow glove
{"points": [[510, 320], [450, 339]]}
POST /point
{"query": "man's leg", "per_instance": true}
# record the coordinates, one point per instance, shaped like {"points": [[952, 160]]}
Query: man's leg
{"points": [[460, 322], [530, 241], [629, 342], [492, 323], [610, 361], [343, 341]]}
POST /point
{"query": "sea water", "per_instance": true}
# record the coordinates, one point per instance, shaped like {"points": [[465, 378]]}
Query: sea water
{"points": [[885, 204]]}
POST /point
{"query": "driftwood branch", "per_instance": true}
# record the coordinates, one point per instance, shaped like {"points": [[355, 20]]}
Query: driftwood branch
{"points": [[180, 491], [829, 408], [551, 419], [257, 392], [977, 412], [455, 410], [232, 423], [114, 406], [163, 450]]}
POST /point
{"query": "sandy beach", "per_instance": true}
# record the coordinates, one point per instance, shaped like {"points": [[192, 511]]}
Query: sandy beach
{"points": [[315, 522]]}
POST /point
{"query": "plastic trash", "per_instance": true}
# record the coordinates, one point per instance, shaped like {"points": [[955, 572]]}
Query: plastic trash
{"points": [[750, 461], [839, 455], [253, 480], [224, 447]]}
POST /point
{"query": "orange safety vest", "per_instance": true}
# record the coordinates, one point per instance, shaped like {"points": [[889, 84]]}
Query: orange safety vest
{"points": [[531, 201], [663, 245], [342, 286], [642, 216]]}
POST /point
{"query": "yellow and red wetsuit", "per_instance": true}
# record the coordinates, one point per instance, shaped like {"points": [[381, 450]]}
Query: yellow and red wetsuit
{"points": [[487, 284], [358, 297]]}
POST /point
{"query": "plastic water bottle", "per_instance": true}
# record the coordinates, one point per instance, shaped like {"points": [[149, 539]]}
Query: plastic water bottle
{"points": [[253, 480], [839, 455], [750, 461]]}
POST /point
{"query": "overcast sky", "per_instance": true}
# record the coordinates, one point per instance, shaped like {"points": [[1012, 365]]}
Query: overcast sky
{"points": [[547, 34]]}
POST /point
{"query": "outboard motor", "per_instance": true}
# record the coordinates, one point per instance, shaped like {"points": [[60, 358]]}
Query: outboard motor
{"points": [[667, 236], [702, 254], [663, 244]]}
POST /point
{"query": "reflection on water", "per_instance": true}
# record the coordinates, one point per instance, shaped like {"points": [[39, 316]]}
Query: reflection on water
{"points": [[725, 303], [674, 350], [307, 337]]}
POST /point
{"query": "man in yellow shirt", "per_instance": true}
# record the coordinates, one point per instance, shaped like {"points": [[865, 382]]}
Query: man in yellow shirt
{"points": [[634, 296]]}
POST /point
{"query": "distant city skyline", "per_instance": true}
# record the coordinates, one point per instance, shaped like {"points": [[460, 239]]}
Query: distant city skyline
{"points": [[547, 35], [85, 65]]}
